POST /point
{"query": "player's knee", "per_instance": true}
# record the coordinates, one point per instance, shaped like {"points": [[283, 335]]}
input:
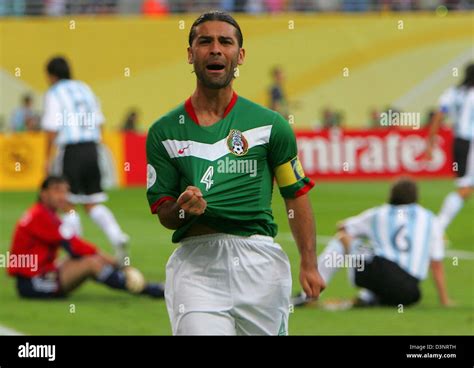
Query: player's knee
{"points": [[95, 263], [88, 207], [465, 193], [411, 296]]}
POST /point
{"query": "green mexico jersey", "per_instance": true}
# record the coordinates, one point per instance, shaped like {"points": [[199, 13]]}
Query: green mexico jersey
{"points": [[233, 162]]}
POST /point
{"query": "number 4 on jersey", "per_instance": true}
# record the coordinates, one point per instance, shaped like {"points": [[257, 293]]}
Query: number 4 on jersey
{"points": [[207, 177]]}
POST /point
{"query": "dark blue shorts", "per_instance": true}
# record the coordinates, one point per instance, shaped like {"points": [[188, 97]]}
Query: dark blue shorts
{"points": [[44, 286]]}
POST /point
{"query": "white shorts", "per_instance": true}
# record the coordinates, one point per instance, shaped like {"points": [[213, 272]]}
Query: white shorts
{"points": [[222, 284]]}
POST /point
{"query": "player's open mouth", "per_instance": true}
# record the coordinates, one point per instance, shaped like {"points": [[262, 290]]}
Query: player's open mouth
{"points": [[215, 67]]}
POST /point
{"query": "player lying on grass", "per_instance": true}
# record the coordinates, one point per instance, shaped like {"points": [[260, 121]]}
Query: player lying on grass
{"points": [[404, 240], [40, 234]]}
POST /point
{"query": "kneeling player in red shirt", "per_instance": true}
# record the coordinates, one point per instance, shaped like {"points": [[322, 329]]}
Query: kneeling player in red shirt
{"points": [[39, 235]]}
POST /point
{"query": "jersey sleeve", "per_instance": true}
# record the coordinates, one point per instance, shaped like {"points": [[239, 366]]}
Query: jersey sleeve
{"points": [[51, 113], [283, 158], [437, 242], [162, 175], [52, 232], [360, 226], [77, 247], [446, 101]]}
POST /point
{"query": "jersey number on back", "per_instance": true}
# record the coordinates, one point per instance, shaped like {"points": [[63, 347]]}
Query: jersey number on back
{"points": [[400, 239]]}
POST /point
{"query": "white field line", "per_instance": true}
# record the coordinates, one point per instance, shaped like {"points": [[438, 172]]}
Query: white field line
{"points": [[5, 331]]}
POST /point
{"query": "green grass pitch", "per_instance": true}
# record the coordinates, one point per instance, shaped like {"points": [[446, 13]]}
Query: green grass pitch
{"points": [[98, 310]]}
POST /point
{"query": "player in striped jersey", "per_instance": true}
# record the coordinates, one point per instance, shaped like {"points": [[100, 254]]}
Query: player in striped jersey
{"points": [[457, 103], [404, 238], [73, 121]]}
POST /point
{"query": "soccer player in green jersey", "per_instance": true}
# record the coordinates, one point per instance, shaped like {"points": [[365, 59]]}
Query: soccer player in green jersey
{"points": [[210, 172]]}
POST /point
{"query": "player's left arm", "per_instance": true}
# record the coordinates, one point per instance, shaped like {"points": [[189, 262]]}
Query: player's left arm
{"points": [[294, 185], [437, 269], [303, 228]]}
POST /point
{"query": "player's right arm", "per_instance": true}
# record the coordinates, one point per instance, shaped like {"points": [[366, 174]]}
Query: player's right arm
{"points": [[432, 132], [444, 104], [50, 124], [190, 203], [165, 198]]}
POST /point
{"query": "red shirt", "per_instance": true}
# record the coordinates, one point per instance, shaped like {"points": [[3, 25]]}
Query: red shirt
{"points": [[37, 235]]}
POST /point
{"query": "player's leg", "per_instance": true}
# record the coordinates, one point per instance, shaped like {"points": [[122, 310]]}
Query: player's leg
{"points": [[389, 283], [206, 323], [73, 220], [197, 285], [260, 284], [100, 214], [73, 272], [46, 286], [70, 169], [454, 201]]}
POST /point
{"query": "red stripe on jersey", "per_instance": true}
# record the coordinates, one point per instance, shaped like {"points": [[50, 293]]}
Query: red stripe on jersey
{"points": [[159, 202], [305, 189], [188, 106]]}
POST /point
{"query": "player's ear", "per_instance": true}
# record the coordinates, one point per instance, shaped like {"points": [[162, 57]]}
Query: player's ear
{"points": [[241, 58], [190, 56]]}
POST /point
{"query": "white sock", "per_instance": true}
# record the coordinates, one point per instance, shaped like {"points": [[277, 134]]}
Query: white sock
{"points": [[367, 296], [451, 206], [73, 222], [105, 219], [326, 260]]}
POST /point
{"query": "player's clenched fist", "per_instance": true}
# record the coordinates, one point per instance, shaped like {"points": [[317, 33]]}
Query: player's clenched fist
{"points": [[192, 202]]}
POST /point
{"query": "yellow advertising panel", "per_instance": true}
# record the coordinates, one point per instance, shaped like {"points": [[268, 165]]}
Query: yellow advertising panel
{"points": [[22, 160]]}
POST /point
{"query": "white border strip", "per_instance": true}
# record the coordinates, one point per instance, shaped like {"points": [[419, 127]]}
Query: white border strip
{"points": [[5, 331]]}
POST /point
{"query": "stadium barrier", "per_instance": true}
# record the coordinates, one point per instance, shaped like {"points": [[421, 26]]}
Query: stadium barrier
{"points": [[373, 154], [334, 154]]}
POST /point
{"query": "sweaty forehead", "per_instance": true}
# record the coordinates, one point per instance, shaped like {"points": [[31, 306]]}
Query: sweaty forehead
{"points": [[216, 29]]}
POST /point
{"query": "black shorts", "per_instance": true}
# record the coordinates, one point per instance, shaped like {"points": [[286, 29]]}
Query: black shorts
{"points": [[389, 282], [45, 286], [81, 169], [460, 155]]}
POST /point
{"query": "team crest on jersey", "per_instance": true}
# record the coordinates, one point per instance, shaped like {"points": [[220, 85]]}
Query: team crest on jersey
{"points": [[236, 143]]}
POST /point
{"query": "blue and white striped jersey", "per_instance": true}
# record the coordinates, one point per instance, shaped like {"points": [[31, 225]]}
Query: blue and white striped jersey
{"points": [[408, 235], [72, 110], [458, 104]]}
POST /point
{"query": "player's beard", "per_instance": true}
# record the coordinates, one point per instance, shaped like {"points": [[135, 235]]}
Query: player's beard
{"points": [[215, 82]]}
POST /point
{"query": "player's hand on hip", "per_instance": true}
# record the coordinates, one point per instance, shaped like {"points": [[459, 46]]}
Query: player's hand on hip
{"points": [[192, 202], [311, 281]]}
